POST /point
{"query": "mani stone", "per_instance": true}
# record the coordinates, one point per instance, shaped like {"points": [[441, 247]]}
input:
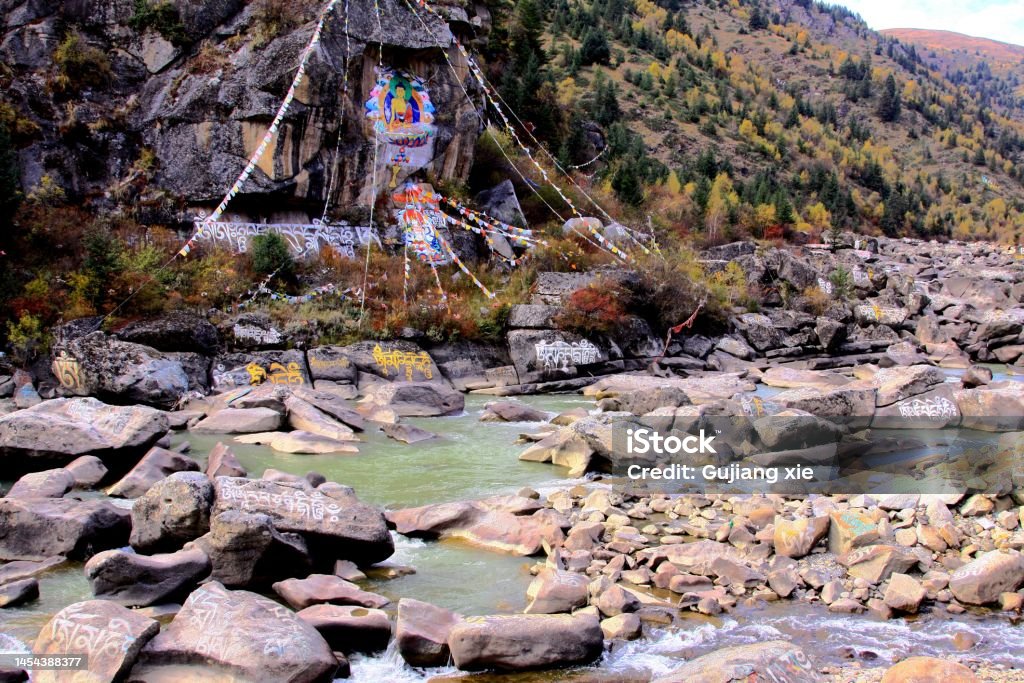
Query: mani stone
{"points": [[849, 529], [798, 537], [349, 529], [244, 634], [981, 581], [109, 635]]}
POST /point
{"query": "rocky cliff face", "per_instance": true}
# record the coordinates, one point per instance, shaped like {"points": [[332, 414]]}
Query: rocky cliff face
{"points": [[190, 94]]}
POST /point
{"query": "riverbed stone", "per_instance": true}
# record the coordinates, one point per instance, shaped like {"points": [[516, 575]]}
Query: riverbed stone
{"points": [[421, 632], [307, 417], [326, 588], [239, 421], [417, 399], [849, 529], [553, 591], [981, 581], [511, 411], [904, 593], [406, 433], [15, 593], [515, 642], [242, 634], [222, 462], [246, 551], [796, 538], [109, 635], [775, 660], [331, 404], [332, 519], [876, 563], [46, 484], [348, 628], [135, 580], [621, 627], [173, 511], [158, 463], [39, 528], [62, 429], [88, 471], [929, 670]]}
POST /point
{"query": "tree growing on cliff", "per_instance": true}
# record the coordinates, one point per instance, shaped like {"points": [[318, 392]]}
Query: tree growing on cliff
{"points": [[270, 255], [889, 102]]}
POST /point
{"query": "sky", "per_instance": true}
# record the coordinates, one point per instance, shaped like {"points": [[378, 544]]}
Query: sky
{"points": [[997, 19]]}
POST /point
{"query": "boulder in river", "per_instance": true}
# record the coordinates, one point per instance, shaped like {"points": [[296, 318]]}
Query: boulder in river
{"points": [[239, 634], [796, 538], [222, 462], [46, 484], [246, 551], [109, 635], [876, 563], [417, 399], [62, 429], [333, 519], [318, 589], [158, 463], [38, 528], [15, 593], [87, 470], [554, 591], [173, 511], [406, 433], [929, 670], [511, 411], [136, 580], [349, 629], [421, 632], [513, 642], [773, 660], [980, 581], [307, 417], [240, 421]]}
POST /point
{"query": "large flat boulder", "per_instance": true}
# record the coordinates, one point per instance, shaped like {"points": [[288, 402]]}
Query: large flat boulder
{"points": [[307, 417], [39, 528], [173, 511], [109, 635], [134, 580], [63, 429], [335, 519], [318, 589], [515, 642], [417, 399], [240, 634], [240, 421], [174, 331]]}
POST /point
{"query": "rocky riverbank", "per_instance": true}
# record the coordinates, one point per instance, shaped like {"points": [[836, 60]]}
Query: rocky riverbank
{"points": [[199, 567]]}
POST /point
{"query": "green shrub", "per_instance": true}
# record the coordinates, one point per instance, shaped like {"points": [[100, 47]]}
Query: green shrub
{"points": [[270, 254], [80, 65], [163, 18], [26, 338]]}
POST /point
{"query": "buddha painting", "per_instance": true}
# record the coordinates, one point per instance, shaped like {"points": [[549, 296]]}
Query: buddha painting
{"points": [[402, 115]]}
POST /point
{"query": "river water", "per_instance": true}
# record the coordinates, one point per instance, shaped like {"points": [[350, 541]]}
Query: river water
{"points": [[471, 459]]}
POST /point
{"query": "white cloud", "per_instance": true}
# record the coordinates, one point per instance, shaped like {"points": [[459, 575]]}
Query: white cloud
{"points": [[996, 19]]}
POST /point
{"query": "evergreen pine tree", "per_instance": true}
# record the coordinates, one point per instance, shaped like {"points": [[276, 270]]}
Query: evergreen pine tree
{"points": [[889, 102]]}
